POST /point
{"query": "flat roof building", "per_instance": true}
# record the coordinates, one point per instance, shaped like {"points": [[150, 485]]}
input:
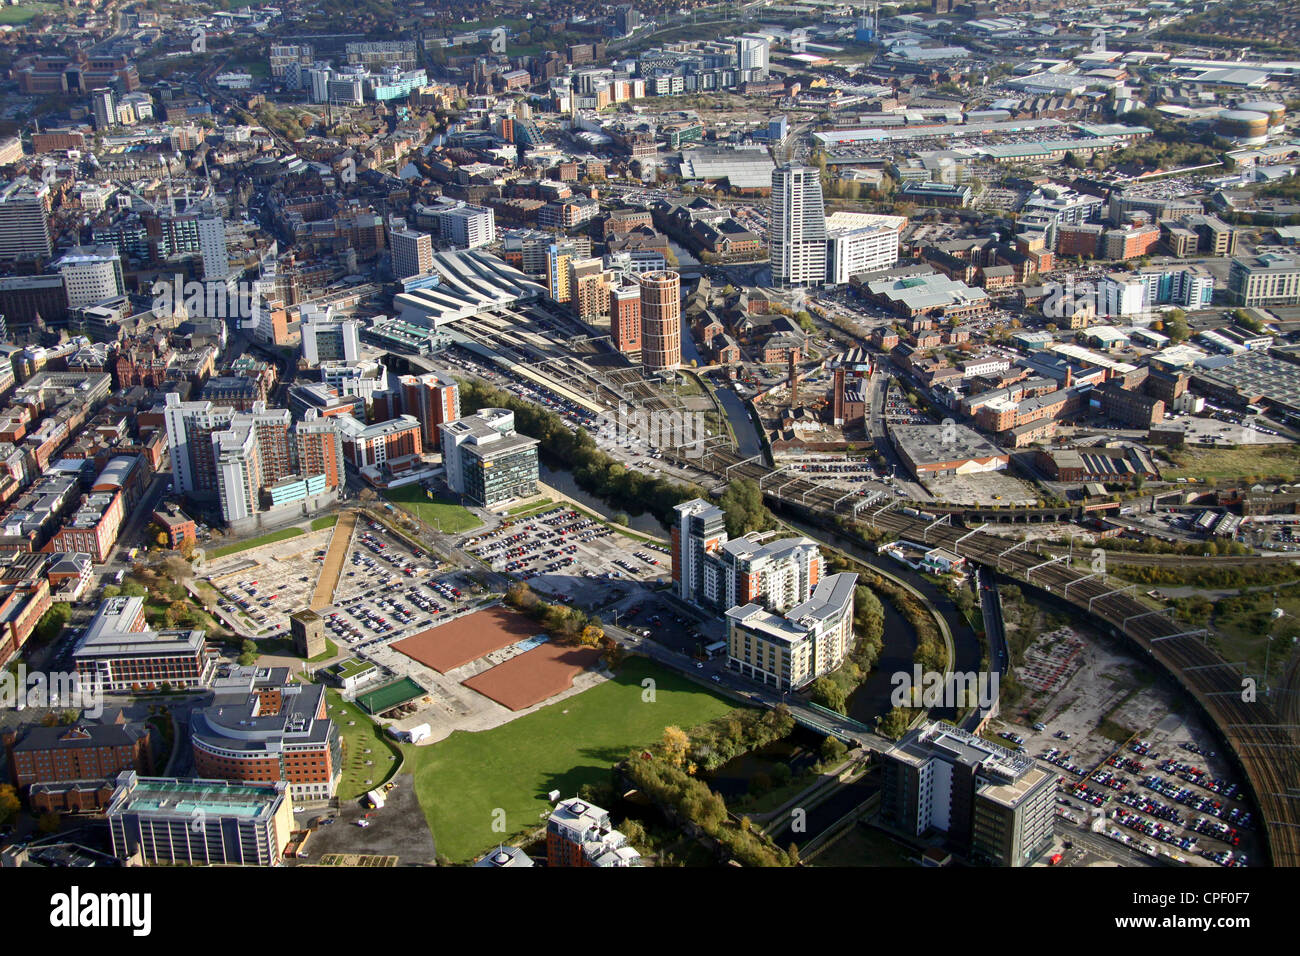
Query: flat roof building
{"points": [[120, 654], [946, 449], [995, 806], [486, 460], [164, 820]]}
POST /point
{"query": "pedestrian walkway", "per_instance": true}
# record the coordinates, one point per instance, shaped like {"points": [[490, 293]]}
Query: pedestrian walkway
{"points": [[332, 567]]}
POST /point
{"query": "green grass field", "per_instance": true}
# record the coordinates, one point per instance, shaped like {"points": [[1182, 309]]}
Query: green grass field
{"points": [[440, 513], [1243, 625], [16, 16], [360, 734], [460, 781], [320, 524], [281, 535]]}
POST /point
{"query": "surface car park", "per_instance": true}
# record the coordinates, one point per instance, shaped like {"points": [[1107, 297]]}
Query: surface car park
{"points": [[568, 555]]}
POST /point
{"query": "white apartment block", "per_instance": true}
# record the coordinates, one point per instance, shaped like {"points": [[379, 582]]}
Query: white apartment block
{"points": [[860, 242], [465, 226]]}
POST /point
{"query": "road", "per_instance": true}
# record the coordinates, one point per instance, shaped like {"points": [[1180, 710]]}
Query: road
{"points": [[994, 625], [133, 530], [746, 691]]}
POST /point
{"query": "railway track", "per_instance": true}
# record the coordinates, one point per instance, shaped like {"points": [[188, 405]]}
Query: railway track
{"points": [[1264, 744]]}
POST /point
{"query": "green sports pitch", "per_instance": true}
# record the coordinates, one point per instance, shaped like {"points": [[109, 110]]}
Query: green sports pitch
{"points": [[390, 695]]}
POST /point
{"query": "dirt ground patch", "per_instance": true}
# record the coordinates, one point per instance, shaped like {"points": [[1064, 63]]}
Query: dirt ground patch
{"points": [[333, 565], [467, 638], [535, 675]]}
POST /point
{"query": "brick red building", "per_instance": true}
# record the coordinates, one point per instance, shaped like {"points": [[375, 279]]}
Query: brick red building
{"points": [[580, 834], [178, 526], [262, 727], [81, 751]]}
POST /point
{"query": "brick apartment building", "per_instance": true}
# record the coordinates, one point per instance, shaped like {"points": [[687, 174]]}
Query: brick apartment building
{"points": [[580, 834], [82, 752]]}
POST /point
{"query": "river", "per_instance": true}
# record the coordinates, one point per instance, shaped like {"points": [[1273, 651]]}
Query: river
{"points": [[564, 481]]}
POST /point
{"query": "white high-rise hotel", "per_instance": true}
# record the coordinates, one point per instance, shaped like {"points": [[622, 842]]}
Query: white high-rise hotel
{"points": [[798, 234]]}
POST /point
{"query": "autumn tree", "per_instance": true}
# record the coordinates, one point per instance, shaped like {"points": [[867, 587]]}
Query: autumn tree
{"points": [[675, 742]]}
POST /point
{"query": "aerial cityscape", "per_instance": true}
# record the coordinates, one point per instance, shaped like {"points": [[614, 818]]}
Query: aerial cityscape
{"points": [[676, 434]]}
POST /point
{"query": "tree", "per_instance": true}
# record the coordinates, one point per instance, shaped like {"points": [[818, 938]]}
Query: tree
{"points": [[675, 743], [1176, 326], [52, 622], [634, 831], [133, 589], [9, 803], [743, 506], [895, 723], [828, 693], [522, 598], [48, 822], [793, 854], [832, 749], [247, 652]]}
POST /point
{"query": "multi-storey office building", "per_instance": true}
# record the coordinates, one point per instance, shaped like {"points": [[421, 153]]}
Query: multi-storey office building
{"points": [[329, 338], [1268, 279], [412, 253], [262, 727], [119, 653], [25, 220], [486, 460], [995, 806], [91, 274]]}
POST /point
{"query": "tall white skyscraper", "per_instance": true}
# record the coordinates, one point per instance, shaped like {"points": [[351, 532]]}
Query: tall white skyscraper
{"points": [[798, 232], [212, 247], [751, 53]]}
